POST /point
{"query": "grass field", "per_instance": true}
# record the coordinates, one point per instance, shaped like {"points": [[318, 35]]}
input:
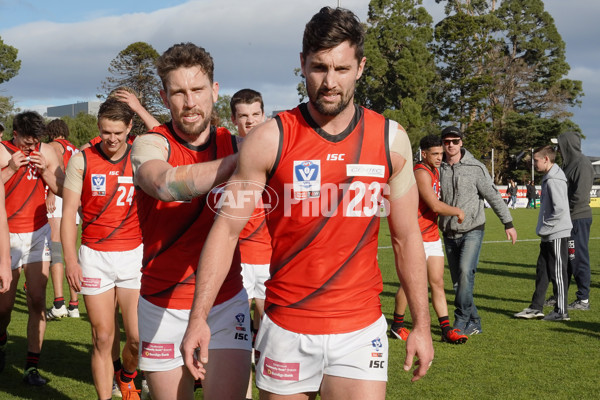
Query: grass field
{"points": [[511, 359]]}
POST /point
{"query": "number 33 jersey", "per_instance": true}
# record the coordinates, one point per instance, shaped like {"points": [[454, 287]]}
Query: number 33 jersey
{"points": [[324, 273]]}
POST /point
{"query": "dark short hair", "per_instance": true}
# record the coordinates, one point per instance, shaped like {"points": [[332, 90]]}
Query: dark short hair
{"points": [[1, 128], [331, 27], [184, 55], [29, 124], [430, 141], [246, 96], [116, 110], [546, 151], [57, 128]]}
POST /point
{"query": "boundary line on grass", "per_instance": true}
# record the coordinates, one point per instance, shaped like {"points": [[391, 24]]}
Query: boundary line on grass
{"points": [[495, 241]]}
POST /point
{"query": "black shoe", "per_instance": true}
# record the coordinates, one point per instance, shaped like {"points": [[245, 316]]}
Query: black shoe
{"points": [[32, 377]]}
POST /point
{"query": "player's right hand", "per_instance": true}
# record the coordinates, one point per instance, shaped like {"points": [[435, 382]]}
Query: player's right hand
{"points": [[18, 160], [194, 346], [74, 275]]}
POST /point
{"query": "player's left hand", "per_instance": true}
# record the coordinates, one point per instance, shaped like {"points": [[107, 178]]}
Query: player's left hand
{"points": [[38, 160], [511, 234], [194, 347], [419, 344], [50, 202]]}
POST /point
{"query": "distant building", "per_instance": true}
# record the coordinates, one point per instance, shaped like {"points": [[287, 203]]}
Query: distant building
{"points": [[71, 110]]}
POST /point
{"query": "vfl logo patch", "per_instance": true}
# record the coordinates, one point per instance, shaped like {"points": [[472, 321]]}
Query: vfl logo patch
{"points": [[376, 343], [307, 179], [377, 171], [98, 185]]}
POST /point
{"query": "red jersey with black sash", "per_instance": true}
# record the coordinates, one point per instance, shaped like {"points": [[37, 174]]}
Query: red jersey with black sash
{"points": [[255, 242], [174, 232], [68, 150], [428, 217], [324, 273], [25, 196], [110, 221]]}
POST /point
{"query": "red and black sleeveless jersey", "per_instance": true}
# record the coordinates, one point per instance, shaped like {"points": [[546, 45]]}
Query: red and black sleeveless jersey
{"points": [[25, 196], [255, 242], [174, 232], [428, 217], [68, 150], [324, 273], [110, 221]]}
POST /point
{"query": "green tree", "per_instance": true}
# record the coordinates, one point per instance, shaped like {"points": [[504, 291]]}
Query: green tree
{"points": [[400, 67], [9, 68], [223, 111], [82, 128], [134, 67], [503, 77], [534, 62], [9, 64]]}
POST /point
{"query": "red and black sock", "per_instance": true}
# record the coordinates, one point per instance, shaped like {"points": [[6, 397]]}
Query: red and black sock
{"points": [[59, 302], [117, 365], [445, 324], [127, 376], [398, 321], [33, 359], [73, 305]]}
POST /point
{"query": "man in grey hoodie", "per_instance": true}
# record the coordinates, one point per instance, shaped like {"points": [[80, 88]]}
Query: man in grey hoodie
{"points": [[580, 177], [553, 227], [466, 183]]}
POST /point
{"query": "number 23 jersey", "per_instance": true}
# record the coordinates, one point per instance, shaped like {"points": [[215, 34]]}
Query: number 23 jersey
{"points": [[324, 273]]}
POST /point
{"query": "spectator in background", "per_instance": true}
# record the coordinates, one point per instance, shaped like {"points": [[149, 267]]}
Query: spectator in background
{"points": [[553, 227], [580, 178], [463, 241], [511, 191]]}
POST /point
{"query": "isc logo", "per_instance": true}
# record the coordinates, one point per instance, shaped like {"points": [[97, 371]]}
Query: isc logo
{"points": [[241, 336], [376, 364], [336, 157]]}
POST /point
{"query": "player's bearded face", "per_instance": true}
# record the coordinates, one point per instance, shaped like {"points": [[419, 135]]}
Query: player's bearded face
{"points": [[199, 123], [331, 76], [190, 96], [329, 101]]}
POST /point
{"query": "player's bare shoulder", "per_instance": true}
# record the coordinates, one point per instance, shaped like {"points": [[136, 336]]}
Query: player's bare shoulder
{"points": [[261, 144]]}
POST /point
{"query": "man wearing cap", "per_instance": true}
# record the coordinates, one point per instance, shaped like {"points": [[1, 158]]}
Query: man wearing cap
{"points": [[466, 183]]}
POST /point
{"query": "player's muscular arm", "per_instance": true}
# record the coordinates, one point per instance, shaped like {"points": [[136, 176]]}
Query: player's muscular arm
{"points": [[155, 176], [427, 194], [68, 227], [11, 163], [257, 157], [5, 271], [407, 245], [50, 167]]}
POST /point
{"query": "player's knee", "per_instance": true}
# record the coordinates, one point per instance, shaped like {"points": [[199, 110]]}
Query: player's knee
{"points": [[102, 339], [56, 253]]}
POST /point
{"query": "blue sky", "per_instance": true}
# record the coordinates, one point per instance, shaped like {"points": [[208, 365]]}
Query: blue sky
{"points": [[66, 45]]}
